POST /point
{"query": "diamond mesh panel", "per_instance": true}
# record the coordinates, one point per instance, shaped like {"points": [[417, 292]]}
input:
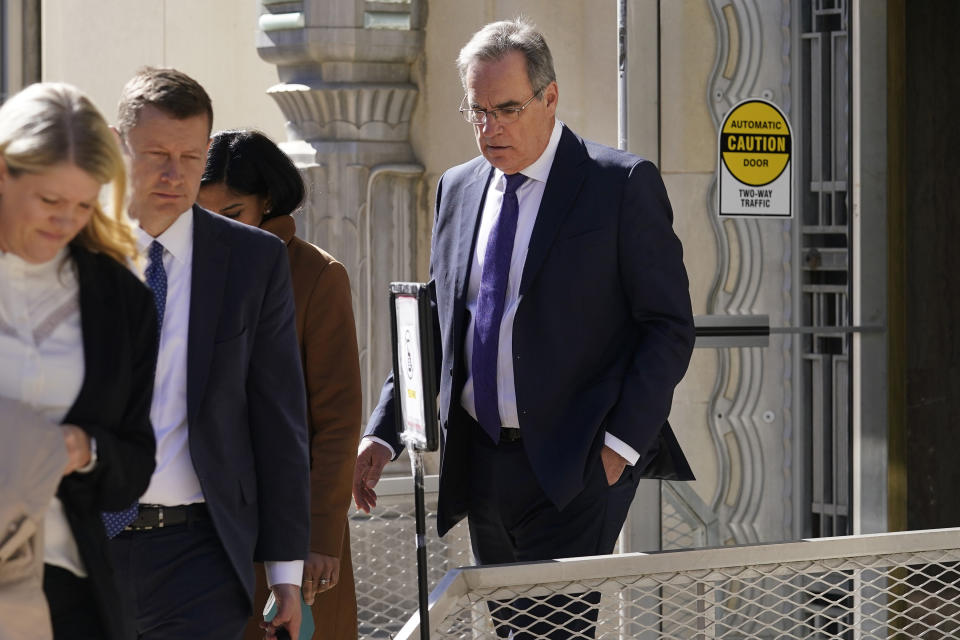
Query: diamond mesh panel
{"points": [[680, 525], [385, 561], [879, 596], [678, 531]]}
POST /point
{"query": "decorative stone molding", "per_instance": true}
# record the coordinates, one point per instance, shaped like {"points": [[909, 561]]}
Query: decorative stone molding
{"points": [[754, 444], [347, 98], [348, 112], [301, 37]]}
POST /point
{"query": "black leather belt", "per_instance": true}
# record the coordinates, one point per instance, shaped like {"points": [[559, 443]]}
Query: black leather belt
{"points": [[158, 516], [508, 434]]}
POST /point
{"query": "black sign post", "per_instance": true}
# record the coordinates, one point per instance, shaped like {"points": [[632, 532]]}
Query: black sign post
{"points": [[415, 398]]}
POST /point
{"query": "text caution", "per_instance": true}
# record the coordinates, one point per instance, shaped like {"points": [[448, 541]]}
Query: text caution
{"points": [[755, 169]]}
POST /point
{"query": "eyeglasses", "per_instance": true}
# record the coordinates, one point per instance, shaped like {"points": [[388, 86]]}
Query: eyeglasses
{"points": [[504, 115]]}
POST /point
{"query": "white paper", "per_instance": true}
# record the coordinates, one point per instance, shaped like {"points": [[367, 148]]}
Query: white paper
{"points": [[410, 376]]}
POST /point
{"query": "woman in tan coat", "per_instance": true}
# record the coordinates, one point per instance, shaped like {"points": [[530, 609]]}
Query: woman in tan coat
{"points": [[248, 178]]}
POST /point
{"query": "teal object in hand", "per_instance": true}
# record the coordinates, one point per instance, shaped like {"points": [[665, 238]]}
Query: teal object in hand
{"points": [[306, 620]]}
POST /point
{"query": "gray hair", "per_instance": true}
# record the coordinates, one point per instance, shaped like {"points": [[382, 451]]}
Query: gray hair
{"points": [[497, 39]]}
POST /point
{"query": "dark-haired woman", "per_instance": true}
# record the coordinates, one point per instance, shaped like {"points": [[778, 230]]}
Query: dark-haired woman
{"points": [[248, 178]]}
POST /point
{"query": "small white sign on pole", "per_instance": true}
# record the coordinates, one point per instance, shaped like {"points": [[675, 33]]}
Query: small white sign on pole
{"points": [[411, 378], [755, 168], [414, 372]]}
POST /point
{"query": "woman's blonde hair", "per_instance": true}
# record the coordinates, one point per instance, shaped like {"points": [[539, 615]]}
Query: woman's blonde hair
{"points": [[51, 123]]}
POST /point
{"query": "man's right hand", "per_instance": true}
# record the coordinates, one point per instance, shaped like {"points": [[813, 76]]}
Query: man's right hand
{"points": [[371, 459], [289, 613]]}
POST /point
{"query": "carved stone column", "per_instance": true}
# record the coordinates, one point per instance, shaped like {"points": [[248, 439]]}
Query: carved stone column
{"points": [[346, 93], [751, 413]]}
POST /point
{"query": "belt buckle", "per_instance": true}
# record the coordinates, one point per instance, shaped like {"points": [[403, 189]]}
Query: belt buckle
{"points": [[509, 435], [148, 527]]}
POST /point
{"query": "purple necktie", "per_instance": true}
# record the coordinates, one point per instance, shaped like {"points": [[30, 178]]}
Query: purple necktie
{"points": [[156, 276], [490, 302]]}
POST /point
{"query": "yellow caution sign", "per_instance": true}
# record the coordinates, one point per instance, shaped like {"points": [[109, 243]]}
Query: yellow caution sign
{"points": [[755, 169]]}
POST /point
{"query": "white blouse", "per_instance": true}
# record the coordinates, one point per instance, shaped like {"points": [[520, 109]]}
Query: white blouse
{"points": [[41, 362]]}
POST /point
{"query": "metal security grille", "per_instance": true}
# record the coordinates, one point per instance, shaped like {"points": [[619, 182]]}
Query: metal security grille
{"points": [[825, 260], [385, 556], [385, 560], [871, 587], [685, 521]]}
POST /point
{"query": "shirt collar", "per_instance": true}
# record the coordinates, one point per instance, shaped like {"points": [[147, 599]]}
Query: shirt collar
{"points": [[540, 168], [177, 238]]}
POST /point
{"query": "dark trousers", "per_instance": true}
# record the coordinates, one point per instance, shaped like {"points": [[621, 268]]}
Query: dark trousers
{"points": [[73, 607], [180, 583], [512, 520]]}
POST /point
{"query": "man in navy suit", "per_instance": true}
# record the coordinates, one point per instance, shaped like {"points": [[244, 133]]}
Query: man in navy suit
{"points": [[228, 410], [564, 320]]}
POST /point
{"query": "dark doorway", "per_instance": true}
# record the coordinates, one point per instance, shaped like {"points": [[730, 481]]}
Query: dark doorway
{"points": [[931, 182]]}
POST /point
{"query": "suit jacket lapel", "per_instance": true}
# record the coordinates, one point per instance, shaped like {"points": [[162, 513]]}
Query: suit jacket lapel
{"points": [[560, 193], [468, 210], [208, 280]]}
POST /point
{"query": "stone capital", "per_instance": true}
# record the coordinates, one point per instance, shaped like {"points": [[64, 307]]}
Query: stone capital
{"points": [[377, 112], [341, 40]]}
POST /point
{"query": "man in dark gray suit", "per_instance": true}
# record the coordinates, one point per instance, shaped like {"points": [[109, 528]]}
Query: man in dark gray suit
{"points": [[564, 317], [229, 414]]}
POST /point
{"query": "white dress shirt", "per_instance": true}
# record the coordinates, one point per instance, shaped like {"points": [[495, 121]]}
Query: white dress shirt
{"points": [[41, 363], [175, 481]]}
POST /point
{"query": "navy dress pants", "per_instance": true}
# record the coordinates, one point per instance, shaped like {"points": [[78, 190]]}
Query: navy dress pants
{"points": [[73, 607], [512, 520], [180, 583]]}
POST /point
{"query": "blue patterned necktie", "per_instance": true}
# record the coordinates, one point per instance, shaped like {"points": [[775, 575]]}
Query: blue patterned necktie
{"points": [[490, 303], [156, 275]]}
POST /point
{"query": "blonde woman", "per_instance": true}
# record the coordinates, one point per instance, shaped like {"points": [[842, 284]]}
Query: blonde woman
{"points": [[78, 334]]}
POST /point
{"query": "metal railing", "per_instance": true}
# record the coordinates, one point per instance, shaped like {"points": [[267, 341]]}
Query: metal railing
{"points": [[685, 521], [384, 551], [385, 555], [901, 585]]}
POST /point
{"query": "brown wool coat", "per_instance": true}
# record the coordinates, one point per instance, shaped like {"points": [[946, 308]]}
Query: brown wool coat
{"points": [[331, 368]]}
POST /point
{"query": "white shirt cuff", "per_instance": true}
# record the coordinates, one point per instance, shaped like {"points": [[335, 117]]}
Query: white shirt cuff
{"points": [[393, 454], [286, 572], [621, 447]]}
